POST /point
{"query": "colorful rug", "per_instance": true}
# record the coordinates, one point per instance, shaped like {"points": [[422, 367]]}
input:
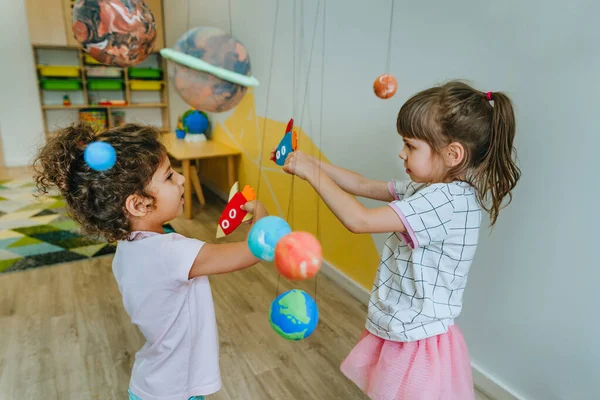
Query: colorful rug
{"points": [[37, 232]]}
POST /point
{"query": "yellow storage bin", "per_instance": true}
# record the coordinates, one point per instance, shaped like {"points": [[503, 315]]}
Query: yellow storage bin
{"points": [[59, 71], [90, 60], [145, 85]]}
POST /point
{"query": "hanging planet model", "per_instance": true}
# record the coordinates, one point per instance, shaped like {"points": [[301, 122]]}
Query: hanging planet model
{"points": [[385, 86], [210, 69], [115, 32]]}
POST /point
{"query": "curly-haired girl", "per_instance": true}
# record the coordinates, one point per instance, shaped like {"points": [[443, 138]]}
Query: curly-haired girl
{"points": [[162, 277]]}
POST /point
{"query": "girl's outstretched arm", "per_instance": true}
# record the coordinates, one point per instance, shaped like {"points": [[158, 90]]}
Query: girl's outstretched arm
{"points": [[351, 213], [352, 182], [355, 183], [221, 258]]}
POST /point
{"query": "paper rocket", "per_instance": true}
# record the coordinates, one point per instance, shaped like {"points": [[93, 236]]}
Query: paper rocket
{"points": [[288, 144], [233, 215]]}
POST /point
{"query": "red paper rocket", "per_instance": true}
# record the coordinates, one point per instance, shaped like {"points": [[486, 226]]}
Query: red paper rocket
{"points": [[234, 215]]}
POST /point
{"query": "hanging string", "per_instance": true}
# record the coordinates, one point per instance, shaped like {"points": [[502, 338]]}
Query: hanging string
{"points": [[389, 50], [262, 143], [230, 20], [294, 58], [265, 119], [189, 14], [304, 103], [290, 217], [319, 149]]}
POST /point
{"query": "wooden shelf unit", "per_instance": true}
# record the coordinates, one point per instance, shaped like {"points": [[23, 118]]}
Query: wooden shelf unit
{"points": [[162, 105]]}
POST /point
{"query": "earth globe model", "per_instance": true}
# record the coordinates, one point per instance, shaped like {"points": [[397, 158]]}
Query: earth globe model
{"points": [[115, 32], [210, 69], [194, 121], [265, 234], [294, 315]]}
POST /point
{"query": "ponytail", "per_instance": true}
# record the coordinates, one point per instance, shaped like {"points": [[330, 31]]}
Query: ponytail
{"points": [[498, 173]]}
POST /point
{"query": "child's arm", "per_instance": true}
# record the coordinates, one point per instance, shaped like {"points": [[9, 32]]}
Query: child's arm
{"points": [[222, 258], [355, 183], [352, 214], [352, 182]]}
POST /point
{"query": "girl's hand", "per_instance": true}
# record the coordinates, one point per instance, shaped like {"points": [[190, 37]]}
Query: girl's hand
{"points": [[256, 208], [272, 157], [299, 164]]}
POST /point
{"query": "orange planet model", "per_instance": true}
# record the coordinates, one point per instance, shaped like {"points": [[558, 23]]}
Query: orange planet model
{"points": [[298, 256], [385, 86]]}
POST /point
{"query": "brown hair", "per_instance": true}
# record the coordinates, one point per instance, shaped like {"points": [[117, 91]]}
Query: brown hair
{"points": [[96, 199], [455, 112]]}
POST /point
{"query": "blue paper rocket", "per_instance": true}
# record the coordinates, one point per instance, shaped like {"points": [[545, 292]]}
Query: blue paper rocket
{"points": [[288, 144]]}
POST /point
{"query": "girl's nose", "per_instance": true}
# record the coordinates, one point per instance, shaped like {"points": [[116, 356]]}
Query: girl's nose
{"points": [[402, 154], [181, 179]]}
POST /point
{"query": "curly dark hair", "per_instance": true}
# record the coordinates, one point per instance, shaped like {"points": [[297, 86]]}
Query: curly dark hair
{"points": [[96, 199]]}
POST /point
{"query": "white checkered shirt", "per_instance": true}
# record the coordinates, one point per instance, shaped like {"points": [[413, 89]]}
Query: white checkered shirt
{"points": [[422, 274]]}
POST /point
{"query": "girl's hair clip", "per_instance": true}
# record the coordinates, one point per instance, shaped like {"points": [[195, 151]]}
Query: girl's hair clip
{"points": [[488, 96]]}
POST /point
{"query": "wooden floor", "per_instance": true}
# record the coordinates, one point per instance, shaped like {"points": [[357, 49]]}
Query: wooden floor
{"points": [[65, 335]]}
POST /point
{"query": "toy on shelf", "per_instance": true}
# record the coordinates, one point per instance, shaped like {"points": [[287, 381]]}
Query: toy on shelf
{"points": [[66, 100], [288, 144], [118, 118], [113, 103], [96, 118], [193, 125], [234, 215]]}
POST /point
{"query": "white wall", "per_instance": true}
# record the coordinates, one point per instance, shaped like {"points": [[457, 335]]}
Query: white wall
{"points": [[20, 114]]}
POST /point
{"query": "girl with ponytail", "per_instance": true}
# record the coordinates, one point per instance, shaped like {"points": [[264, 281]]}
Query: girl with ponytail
{"points": [[459, 155]]}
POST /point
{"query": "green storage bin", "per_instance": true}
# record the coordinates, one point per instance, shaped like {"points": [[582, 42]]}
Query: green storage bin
{"points": [[145, 73], [105, 84], [60, 84]]}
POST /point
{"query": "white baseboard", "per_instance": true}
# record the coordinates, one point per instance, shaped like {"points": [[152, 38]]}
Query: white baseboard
{"points": [[356, 290], [491, 386], [483, 380]]}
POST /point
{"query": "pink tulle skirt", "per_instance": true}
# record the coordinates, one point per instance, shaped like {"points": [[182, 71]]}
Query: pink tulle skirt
{"points": [[436, 368]]}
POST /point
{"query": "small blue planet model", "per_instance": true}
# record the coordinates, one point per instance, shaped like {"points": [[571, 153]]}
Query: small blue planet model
{"points": [[100, 156], [294, 315], [264, 236]]}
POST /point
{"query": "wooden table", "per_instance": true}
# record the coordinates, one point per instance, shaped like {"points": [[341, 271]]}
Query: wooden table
{"points": [[185, 152]]}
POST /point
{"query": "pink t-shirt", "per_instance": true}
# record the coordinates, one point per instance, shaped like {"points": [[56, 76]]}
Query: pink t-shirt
{"points": [[180, 358]]}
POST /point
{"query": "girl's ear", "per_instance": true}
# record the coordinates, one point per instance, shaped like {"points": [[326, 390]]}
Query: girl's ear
{"points": [[453, 154], [137, 205]]}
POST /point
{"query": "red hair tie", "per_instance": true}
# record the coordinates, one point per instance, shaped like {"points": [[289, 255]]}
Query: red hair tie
{"points": [[488, 96]]}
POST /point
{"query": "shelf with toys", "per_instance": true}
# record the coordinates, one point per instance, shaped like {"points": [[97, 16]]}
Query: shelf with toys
{"points": [[72, 85]]}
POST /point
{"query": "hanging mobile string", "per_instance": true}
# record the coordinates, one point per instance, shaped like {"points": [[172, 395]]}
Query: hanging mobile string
{"points": [[389, 49], [290, 215], [189, 15], [320, 148], [294, 59], [312, 46], [230, 20], [265, 119], [262, 143]]}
